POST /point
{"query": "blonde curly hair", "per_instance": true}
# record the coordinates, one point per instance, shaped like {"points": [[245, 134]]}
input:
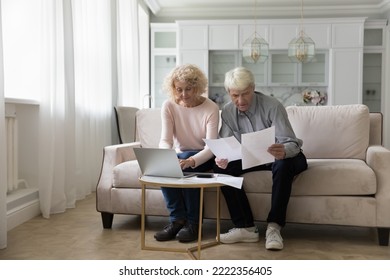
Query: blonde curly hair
{"points": [[188, 73]]}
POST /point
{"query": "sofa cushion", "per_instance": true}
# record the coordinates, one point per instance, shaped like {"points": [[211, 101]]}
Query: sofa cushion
{"points": [[323, 177], [347, 125], [126, 174], [149, 127]]}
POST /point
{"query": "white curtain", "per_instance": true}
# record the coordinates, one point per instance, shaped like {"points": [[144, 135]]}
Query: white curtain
{"points": [[85, 61], [128, 54], [3, 165]]}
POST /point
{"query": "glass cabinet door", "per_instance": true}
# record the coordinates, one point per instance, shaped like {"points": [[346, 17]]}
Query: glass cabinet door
{"points": [[220, 63], [283, 71], [164, 40], [162, 65], [259, 71], [315, 71], [372, 81]]}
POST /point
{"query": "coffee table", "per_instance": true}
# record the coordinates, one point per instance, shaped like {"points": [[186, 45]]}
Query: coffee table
{"points": [[193, 182]]}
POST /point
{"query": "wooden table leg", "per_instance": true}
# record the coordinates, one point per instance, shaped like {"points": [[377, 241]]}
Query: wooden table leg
{"points": [[143, 217]]}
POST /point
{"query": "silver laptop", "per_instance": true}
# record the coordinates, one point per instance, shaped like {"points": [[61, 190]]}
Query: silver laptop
{"points": [[160, 162]]}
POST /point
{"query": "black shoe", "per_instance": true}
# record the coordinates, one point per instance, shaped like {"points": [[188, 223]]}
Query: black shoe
{"points": [[169, 232], [188, 233]]}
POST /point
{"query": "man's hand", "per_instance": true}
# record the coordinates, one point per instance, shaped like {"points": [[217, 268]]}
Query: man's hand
{"points": [[221, 163], [277, 150]]}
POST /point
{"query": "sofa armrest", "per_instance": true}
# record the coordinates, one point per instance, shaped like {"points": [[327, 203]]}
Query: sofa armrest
{"points": [[112, 156], [378, 158]]}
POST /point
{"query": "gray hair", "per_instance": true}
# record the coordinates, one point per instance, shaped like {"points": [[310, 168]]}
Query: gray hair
{"points": [[239, 78]]}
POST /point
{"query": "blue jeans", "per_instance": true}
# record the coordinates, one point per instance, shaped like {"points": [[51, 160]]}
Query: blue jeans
{"points": [[283, 173], [183, 204]]}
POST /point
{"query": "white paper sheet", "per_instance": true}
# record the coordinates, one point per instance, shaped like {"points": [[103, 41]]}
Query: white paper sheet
{"points": [[225, 148], [254, 147], [252, 150]]}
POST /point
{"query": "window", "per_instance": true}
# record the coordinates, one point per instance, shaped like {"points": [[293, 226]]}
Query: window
{"points": [[21, 50]]}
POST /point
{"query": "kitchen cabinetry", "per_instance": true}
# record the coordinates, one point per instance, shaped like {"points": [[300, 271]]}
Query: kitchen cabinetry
{"points": [[194, 45], [223, 61], [193, 37], [346, 58], [247, 30], [277, 71], [346, 76], [283, 72], [337, 68], [347, 35], [373, 65], [163, 59], [281, 35], [223, 37]]}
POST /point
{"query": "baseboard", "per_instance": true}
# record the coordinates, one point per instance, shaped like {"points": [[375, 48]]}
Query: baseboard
{"points": [[22, 206]]}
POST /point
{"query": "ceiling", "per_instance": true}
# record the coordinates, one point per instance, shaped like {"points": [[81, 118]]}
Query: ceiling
{"points": [[171, 10]]}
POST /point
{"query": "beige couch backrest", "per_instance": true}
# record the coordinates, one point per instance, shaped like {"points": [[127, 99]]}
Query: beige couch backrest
{"points": [[327, 131], [148, 125], [332, 131]]}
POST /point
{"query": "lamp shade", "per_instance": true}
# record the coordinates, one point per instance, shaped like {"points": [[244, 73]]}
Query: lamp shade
{"points": [[255, 49], [301, 49]]}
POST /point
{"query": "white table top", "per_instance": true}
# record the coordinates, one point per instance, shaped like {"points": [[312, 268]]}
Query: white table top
{"points": [[222, 179]]}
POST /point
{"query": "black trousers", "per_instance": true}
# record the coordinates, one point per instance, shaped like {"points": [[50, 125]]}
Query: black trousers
{"points": [[283, 173]]}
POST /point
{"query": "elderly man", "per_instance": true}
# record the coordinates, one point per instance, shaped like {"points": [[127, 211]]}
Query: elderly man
{"points": [[251, 111]]}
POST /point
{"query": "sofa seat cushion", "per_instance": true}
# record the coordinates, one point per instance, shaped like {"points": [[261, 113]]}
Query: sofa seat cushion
{"points": [[323, 177], [126, 175]]}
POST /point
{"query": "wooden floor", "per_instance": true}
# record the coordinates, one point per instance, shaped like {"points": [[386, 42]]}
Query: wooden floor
{"points": [[78, 235]]}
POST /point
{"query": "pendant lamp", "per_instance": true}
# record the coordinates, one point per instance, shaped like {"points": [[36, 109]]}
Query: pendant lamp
{"points": [[302, 48], [255, 48]]}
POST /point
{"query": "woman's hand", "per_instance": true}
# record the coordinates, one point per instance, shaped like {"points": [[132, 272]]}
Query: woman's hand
{"points": [[221, 162], [187, 163]]}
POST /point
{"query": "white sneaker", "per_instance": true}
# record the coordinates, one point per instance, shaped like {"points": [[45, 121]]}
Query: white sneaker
{"points": [[234, 235], [274, 240]]}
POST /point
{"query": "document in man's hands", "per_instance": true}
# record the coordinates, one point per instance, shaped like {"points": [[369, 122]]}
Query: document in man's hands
{"points": [[254, 147], [252, 150]]}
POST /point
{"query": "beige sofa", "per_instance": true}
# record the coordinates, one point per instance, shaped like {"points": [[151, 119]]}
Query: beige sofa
{"points": [[347, 181]]}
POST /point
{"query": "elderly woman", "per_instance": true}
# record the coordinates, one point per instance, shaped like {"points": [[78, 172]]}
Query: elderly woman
{"points": [[187, 118]]}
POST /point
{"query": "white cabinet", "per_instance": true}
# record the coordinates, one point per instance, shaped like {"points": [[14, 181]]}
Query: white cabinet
{"points": [[347, 62], [320, 34], [347, 35], [193, 37], [346, 76], [163, 59], [197, 57], [223, 37], [281, 35]]}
